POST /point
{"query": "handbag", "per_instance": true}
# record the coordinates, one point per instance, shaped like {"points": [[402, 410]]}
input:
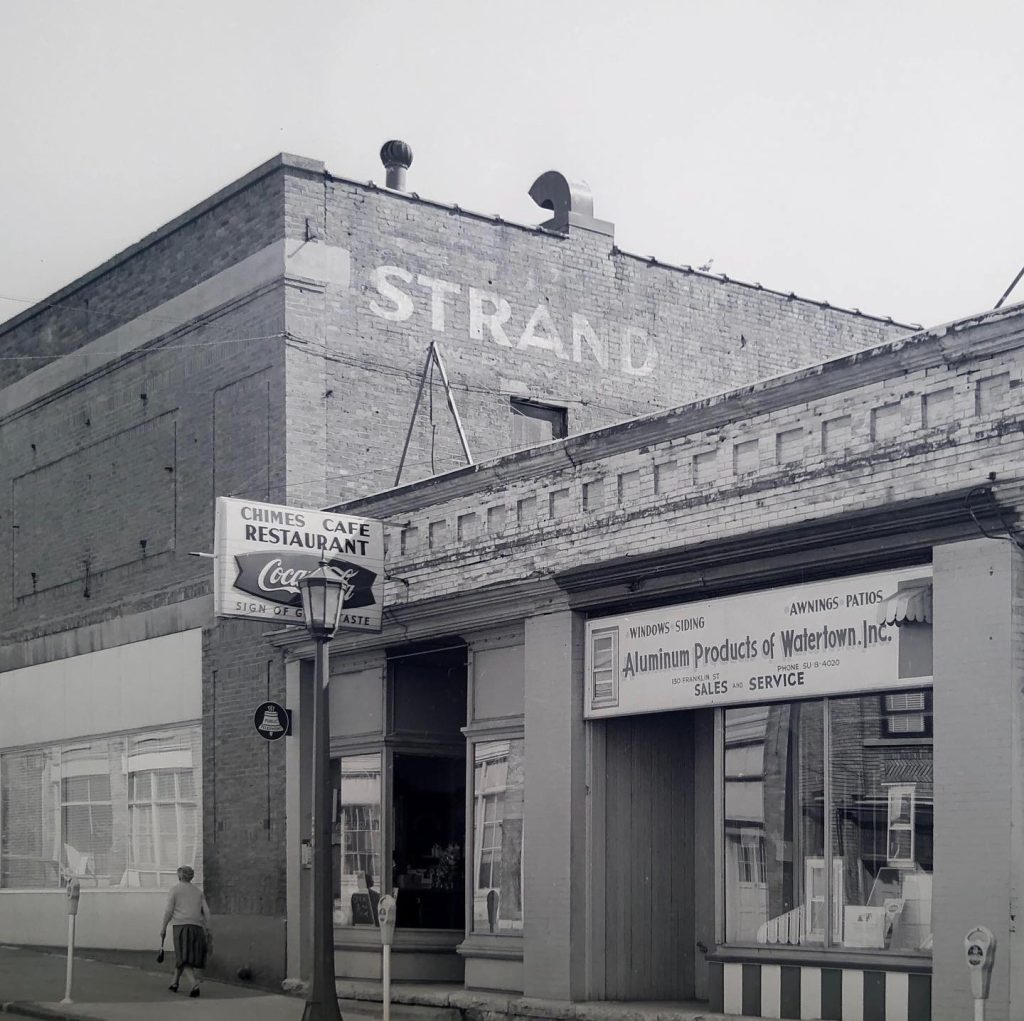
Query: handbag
{"points": [[160, 953]]}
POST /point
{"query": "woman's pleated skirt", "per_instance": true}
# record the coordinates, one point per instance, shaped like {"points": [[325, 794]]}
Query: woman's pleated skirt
{"points": [[189, 946]]}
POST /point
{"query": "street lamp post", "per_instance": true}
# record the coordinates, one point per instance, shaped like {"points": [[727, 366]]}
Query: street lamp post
{"points": [[321, 606]]}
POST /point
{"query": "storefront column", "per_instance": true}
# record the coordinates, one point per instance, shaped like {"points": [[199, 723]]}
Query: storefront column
{"points": [[978, 703], [554, 809]]}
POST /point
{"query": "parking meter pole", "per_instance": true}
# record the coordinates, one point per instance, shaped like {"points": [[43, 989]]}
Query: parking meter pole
{"points": [[979, 1010], [71, 960], [73, 893], [386, 917]]}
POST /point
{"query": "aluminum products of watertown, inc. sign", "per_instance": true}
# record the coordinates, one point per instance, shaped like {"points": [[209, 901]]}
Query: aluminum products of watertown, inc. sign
{"points": [[802, 641], [262, 552]]}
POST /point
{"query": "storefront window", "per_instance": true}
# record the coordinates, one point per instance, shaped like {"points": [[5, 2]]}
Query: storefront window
{"points": [[882, 796], [358, 840], [774, 829], [428, 866], [498, 777], [92, 782], [118, 812], [30, 819], [875, 819], [163, 807]]}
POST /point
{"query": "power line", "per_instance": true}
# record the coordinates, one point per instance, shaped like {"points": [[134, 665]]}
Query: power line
{"points": [[48, 303], [394, 370], [153, 349], [156, 348]]}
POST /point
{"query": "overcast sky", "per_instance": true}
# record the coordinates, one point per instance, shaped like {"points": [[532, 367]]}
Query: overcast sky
{"points": [[864, 153]]}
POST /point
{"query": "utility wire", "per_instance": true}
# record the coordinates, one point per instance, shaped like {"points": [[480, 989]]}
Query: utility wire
{"points": [[297, 343], [155, 348], [47, 303], [394, 370]]}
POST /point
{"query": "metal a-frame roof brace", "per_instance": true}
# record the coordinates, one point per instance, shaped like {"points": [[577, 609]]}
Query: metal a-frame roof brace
{"points": [[433, 355]]}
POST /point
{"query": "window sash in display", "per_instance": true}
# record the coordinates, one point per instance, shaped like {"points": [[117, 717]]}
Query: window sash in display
{"points": [[498, 833], [358, 834], [872, 813], [77, 810]]}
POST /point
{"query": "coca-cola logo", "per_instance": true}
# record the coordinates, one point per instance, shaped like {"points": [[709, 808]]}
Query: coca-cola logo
{"points": [[276, 576]]}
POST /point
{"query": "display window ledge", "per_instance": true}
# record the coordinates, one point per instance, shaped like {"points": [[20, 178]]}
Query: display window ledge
{"points": [[834, 957], [423, 941], [496, 947]]}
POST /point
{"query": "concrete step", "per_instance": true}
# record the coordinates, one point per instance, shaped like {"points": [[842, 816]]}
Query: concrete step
{"points": [[363, 1010], [360, 1001]]}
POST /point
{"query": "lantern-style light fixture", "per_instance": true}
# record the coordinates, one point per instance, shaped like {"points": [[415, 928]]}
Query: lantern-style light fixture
{"points": [[322, 595]]}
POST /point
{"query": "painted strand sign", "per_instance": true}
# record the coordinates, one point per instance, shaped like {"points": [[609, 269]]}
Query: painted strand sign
{"points": [[262, 551], [803, 641]]}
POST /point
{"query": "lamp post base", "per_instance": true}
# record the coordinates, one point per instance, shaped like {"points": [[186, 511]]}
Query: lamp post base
{"points": [[321, 1011]]}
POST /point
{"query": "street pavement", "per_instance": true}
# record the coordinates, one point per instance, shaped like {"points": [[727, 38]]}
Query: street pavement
{"points": [[32, 984]]}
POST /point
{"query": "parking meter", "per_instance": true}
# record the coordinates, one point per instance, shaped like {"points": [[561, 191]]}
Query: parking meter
{"points": [[979, 949], [74, 891], [386, 911]]}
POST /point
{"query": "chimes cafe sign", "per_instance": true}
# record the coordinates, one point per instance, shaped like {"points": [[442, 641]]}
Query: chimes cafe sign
{"points": [[262, 551]]}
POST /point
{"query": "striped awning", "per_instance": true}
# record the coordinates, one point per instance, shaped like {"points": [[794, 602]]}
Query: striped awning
{"points": [[909, 605]]}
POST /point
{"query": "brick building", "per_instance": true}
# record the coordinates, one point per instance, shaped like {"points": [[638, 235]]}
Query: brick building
{"points": [[270, 344], [742, 698]]}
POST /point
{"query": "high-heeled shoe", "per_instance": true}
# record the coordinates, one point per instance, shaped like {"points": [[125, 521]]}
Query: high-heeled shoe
{"points": [[195, 991], [173, 988]]}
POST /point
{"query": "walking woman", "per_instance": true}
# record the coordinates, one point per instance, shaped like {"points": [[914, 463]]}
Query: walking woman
{"points": [[188, 912]]}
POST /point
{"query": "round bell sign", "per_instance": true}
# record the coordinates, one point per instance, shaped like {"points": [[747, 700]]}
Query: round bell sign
{"points": [[271, 721]]}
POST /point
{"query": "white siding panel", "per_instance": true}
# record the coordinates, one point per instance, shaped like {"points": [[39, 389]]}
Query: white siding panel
{"points": [[149, 683]]}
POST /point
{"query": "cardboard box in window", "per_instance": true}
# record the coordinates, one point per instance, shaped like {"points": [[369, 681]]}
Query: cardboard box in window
{"points": [[865, 928]]}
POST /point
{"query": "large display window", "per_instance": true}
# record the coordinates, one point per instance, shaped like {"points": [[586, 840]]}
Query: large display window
{"points": [[112, 812], [828, 821]]}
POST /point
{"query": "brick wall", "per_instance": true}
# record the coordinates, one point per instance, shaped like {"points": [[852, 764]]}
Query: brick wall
{"points": [[799, 475], [244, 793], [517, 312], [218, 233], [111, 486]]}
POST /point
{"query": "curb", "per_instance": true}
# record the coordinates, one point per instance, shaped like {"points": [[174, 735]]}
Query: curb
{"points": [[26, 1008]]}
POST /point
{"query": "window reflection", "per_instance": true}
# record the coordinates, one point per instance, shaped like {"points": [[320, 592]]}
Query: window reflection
{"points": [[877, 887], [358, 840], [498, 777], [882, 821], [111, 812], [774, 835]]}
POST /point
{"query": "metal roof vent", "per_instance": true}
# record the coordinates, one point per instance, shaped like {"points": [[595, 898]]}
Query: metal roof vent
{"points": [[397, 158], [571, 203]]}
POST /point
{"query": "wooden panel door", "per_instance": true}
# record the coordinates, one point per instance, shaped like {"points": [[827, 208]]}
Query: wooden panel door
{"points": [[649, 891]]}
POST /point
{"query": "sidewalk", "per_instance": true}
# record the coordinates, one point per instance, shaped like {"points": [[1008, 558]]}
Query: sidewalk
{"points": [[32, 985]]}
